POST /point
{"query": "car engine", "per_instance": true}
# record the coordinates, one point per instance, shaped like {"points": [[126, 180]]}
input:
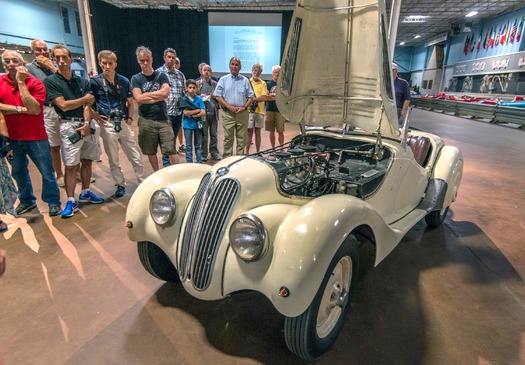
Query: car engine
{"points": [[313, 166]]}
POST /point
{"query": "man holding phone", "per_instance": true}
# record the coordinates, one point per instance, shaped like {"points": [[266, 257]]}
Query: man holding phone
{"points": [[72, 98]]}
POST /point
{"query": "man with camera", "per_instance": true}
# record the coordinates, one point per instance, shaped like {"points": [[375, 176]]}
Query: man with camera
{"points": [[72, 98], [21, 100], [256, 117], [114, 101]]}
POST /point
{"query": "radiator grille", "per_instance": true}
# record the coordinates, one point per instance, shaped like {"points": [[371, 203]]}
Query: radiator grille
{"points": [[205, 228]]}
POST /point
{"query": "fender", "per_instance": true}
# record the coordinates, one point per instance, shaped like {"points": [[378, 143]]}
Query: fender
{"points": [[449, 167], [183, 180], [303, 248]]}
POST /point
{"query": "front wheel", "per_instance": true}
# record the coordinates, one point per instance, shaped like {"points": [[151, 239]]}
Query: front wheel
{"points": [[156, 262], [312, 333]]}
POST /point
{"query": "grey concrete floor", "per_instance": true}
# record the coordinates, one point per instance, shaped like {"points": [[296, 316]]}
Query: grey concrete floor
{"points": [[75, 292]]}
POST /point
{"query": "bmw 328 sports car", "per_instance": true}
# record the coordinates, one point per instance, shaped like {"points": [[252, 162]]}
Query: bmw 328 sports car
{"points": [[287, 222]]}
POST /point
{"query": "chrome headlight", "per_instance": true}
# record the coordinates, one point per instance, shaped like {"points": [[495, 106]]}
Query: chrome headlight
{"points": [[248, 237], [162, 207]]}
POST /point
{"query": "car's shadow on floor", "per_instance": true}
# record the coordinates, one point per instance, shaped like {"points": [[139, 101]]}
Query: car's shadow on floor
{"points": [[433, 289]]}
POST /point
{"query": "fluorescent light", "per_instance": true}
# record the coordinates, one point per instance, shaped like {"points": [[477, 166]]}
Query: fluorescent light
{"points": [[417, 36], [415, 19], [402, 43], [472, 13]]}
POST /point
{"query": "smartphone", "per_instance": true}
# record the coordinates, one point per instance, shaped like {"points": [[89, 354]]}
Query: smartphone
{"points": [[74, 137]]}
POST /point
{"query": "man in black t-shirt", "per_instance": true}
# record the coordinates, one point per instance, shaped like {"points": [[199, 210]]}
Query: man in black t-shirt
{"points": [[150, 90]]}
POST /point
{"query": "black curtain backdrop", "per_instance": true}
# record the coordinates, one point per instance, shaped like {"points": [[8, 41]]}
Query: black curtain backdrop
{"points": [[123, 30]]}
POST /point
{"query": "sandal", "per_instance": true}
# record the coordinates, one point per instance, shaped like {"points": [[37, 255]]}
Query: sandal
{"points": [[3, 226]]}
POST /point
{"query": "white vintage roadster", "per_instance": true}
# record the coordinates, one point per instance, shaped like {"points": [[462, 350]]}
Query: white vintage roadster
{"points": [[287, 222]]}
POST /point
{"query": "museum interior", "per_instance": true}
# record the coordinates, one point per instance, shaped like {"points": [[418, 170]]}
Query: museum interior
{"points": [[77, 291]]}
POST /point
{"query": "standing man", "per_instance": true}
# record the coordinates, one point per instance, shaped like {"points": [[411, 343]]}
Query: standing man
{"points": [[177, 89], [42, 67], [72, 97], [21, 99], [402, 89], [115, 106], [256, 117], [206, 86], [274, 119], [235, 95], [150, 90]]}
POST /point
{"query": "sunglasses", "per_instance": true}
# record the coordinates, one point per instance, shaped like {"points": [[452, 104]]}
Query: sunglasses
{"points": [[11, 60]]}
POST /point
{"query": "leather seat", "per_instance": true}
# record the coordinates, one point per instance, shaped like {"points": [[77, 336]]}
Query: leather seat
{"points": [[420, 147]]}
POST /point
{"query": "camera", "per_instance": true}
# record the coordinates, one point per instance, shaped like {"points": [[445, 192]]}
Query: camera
{"points": [[253, 106], [117, 116]]}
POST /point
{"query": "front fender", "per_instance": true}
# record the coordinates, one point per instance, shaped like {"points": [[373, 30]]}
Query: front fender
{"points": [[183, 180], [306, 240]]}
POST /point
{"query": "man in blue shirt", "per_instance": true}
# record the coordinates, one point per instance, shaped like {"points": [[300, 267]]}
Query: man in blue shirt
{"points": [[235, 94], [402, 89], [114, 102]]}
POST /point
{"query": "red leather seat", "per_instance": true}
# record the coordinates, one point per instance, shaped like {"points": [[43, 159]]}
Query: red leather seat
{"points": [[420, 147]]}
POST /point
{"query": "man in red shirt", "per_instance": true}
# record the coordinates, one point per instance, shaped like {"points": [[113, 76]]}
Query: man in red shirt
{"points": [[21, 99]]}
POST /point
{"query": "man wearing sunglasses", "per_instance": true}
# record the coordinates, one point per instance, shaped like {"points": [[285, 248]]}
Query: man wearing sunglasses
{"points": [[21, 99]]}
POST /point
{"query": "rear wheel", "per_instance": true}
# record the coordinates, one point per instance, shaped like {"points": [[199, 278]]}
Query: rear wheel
{"points": [[312, 333], [156, 262], [435, 218]]}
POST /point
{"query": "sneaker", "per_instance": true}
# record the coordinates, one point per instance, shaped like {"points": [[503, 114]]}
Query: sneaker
{"points": [[216, 158], [182, 148], [89, 197], [54, 210], [121, 191], [69, 210], [24, 208]]}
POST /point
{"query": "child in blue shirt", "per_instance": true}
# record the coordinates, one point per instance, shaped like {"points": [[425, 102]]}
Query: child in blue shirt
{"points": [[194, 110]]}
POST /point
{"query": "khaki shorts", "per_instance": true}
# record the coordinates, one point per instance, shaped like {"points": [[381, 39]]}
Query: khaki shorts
{"points": [[52, 125], [274, 121], [255, 120], [87, 148], [155, 132]]}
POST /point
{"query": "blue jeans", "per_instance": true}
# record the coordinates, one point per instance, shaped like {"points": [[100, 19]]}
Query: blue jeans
{"points": [[176, 123], [40, 153], [197, 140]]}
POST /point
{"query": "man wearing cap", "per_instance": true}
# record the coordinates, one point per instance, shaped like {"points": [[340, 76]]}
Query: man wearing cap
{"points": [[402, 89]]}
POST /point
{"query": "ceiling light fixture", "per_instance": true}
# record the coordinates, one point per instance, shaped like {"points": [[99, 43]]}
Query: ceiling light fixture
{"points": [[472, 13], [417, 36], [415, 19], [402, 43]]}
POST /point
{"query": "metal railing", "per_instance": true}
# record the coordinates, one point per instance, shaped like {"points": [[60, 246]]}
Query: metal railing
{"points": [[491, 113]]}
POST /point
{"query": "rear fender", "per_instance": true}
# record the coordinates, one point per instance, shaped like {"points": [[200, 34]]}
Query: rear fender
{"points": [[449, 167]]}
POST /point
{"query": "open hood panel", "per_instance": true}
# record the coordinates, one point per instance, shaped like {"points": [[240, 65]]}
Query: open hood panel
{"points": [[336, 67]]}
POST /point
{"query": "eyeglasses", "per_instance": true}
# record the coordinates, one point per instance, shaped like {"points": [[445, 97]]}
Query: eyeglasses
{"points": [[11, 60]]}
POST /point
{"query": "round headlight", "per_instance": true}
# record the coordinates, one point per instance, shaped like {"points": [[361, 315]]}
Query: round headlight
{"points": [[248, 237], [162, 207]]}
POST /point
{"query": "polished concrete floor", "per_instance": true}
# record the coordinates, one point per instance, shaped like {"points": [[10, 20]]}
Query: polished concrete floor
{"points": [[75, 292]]}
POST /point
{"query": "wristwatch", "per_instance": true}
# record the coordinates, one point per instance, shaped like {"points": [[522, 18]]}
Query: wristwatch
{"points": [[18, 109]]}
